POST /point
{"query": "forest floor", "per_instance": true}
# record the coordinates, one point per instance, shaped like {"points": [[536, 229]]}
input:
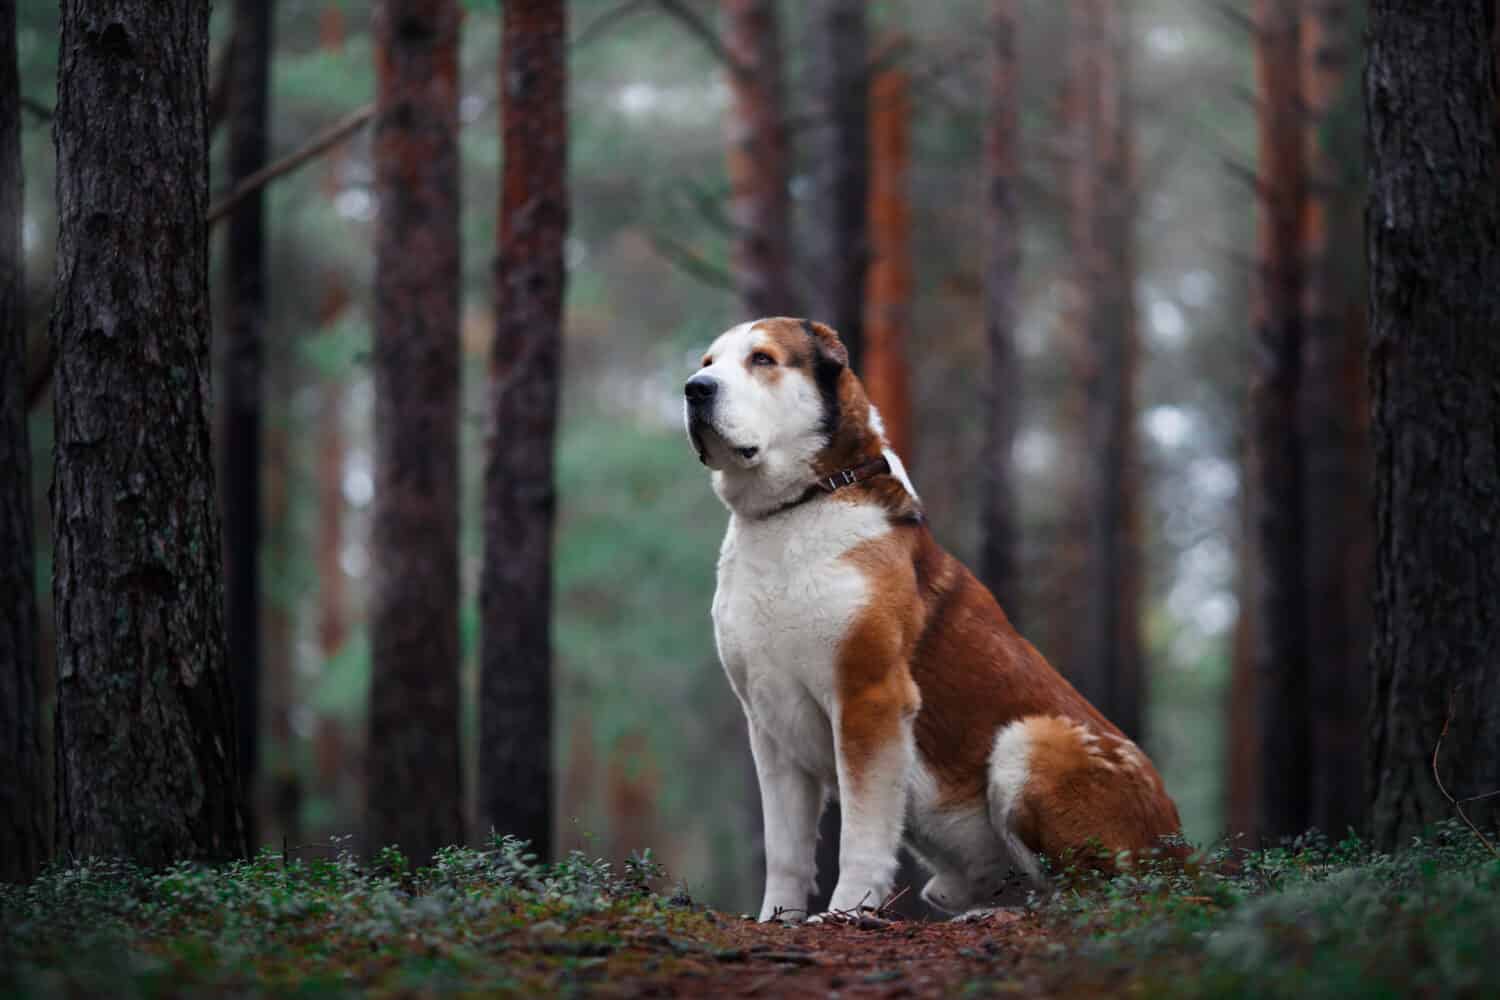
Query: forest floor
{"points": [[1309, 919]]}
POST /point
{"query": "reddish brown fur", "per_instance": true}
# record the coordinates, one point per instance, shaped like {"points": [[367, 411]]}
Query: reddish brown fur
{"points": [[1076, 797], [933, 640]]}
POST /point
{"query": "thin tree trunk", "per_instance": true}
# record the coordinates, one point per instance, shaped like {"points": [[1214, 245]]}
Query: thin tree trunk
{"points": [[838, 54], [281, 795], [147, 764], [759, 160], [1242, 778], [23, 830], [515, 723], [999, 515], [1336, 522], [1280, 627], [412, 754], [888, 293], [241, 407], [332, 769], [1434, 251], [1065, 582]]}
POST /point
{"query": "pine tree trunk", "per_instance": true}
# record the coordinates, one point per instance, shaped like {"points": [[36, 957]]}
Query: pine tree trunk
{"points": [[1107, 666], [1280, 627], [241, 406], [759, 161], [1336, 511], [1000, 516], [412, 755], [147, 764], [886, 374], [1434, 250], [515, 714], [23, 831], [839, 142]]}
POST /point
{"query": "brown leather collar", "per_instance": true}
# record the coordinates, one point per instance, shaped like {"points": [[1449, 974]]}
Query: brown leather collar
{"points": [[877, 466]]}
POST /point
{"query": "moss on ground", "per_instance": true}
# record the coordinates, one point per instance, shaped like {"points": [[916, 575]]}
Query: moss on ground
{"points": [[1311, 919]]}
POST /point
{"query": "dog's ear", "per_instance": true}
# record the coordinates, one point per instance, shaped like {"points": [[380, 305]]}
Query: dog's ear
{"points": [[827, 347]]}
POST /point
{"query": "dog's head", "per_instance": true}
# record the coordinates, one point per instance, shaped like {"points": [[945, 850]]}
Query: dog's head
{"points": [[774, 402]]}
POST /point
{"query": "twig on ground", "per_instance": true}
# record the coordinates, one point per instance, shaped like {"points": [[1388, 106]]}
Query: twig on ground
{"points": [[892, 900], [1458, 806]]}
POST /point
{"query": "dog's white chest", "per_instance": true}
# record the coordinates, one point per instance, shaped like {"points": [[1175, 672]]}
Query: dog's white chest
{"points": [[785, 600]]}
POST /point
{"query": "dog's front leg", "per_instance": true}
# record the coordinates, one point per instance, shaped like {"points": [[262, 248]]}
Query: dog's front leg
{"points": [[875, 753], [790, 801]]}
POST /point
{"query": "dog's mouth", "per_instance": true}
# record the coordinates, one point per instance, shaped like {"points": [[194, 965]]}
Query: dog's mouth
{"points": [[710, 445]]}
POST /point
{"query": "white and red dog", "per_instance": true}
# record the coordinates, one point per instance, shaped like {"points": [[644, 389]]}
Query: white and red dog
{"points": [[872, 666]]}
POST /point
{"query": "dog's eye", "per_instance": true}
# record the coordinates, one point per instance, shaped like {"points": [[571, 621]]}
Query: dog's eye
{"points": [[707, 362], [762, 358]]}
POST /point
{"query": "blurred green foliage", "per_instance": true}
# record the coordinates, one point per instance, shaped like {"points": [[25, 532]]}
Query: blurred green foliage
{"points": [[649, 743]]}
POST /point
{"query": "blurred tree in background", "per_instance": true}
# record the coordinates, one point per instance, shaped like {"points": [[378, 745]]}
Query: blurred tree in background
{"points": [[242, 385], [23, 799], [515, 711], [413, 750], [599, 305]]}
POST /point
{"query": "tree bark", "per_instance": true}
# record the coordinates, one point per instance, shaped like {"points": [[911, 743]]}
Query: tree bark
{"points": [[888, 293], [838, 55], [759, 161], [1434, 253], [147, 761], [241, 408], [1337, 507], [999, 515], [413, 751], [515, 727], [23, 829], [1280, 627], [1108, 667]]}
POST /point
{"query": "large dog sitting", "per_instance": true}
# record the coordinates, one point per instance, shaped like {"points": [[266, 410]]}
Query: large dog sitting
{"points": [[872, 666]]}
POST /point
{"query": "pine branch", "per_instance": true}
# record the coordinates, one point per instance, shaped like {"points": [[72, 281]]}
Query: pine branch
{"points": [[704, 32], [319, 144], [690, 262], [596, 28], [37, 108]]}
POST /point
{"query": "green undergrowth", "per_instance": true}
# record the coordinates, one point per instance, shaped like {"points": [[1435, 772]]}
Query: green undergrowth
{"points": [[1310, 919], [490, 921]]}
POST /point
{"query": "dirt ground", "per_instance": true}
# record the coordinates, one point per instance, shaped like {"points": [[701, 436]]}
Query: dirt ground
{"points": [[901, 958]]}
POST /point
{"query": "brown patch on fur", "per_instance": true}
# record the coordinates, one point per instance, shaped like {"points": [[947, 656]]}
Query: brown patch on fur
{"points": [[1088, 792], [975, 675], [875, 689]]}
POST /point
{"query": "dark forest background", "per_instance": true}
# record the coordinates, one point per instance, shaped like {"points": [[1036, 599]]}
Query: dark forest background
{"points": [[1102, 262]]}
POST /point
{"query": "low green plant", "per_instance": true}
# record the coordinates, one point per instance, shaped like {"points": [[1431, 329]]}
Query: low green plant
{"points": [[490, 919], [1309, 918]]}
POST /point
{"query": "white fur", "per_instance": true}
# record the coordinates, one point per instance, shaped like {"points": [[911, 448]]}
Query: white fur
{"points": [[1010, 768], [783, 421], [786, 598]]}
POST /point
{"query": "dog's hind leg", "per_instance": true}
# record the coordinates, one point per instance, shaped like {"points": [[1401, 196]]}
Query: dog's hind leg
{"points": [[1010, 768]]}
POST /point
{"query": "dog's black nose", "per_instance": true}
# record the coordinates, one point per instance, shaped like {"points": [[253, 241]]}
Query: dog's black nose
{"points": [[701, 388]]}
